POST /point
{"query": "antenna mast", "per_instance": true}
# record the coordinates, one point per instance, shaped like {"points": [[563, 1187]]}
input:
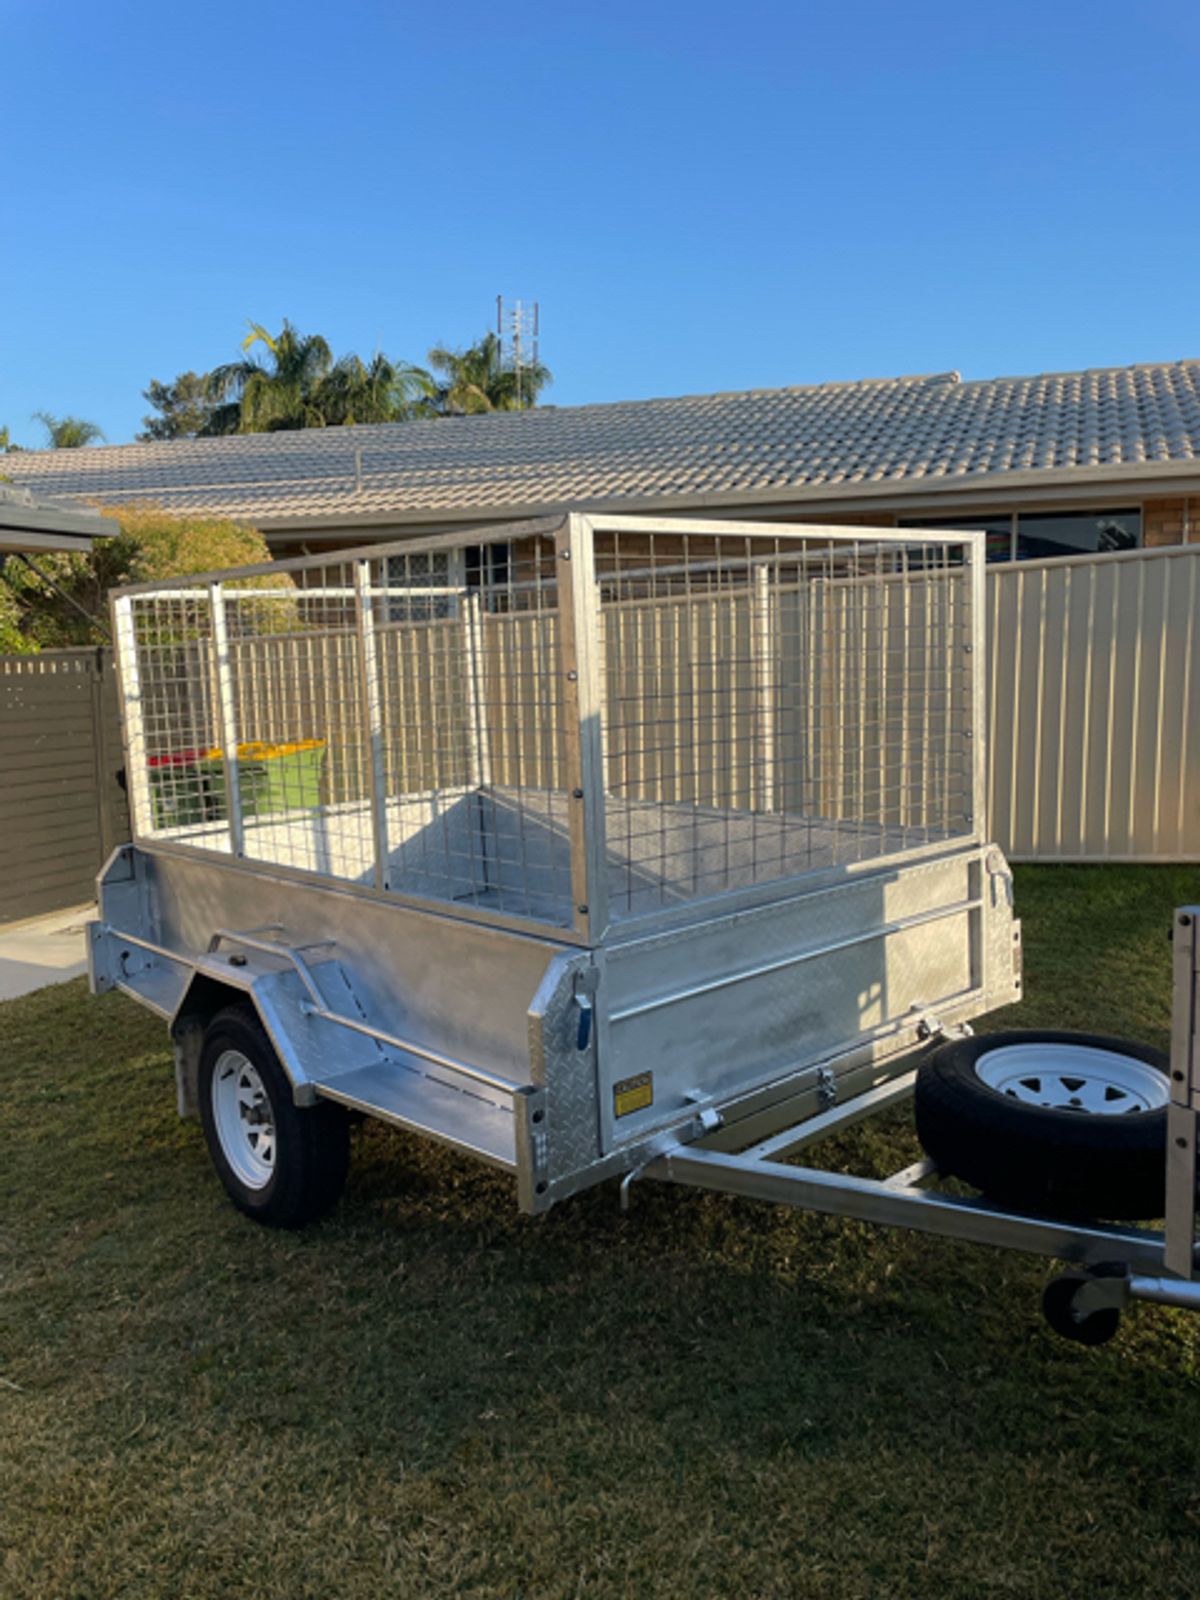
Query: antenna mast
{"points": [[517, 331]]}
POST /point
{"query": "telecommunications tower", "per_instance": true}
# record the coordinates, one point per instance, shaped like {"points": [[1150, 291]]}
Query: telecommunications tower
{"points": [[517, 330]]}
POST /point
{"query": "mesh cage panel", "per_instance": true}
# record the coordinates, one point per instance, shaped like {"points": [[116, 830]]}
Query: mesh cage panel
{"points": [[776, 705], [766, 705], [392, 722]]}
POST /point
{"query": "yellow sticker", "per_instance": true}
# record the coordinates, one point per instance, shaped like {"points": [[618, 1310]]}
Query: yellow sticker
{"points": [[633, 1094]]}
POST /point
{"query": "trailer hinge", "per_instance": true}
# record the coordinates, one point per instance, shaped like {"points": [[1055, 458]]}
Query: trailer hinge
{"points": [[826, 1087], [707, 1119], [930, 1026]]}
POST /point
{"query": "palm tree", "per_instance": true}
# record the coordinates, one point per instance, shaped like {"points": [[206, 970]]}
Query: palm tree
{"points": [[302, 386], [68, 433], [383, 391], [479, 379], [250, 397]]}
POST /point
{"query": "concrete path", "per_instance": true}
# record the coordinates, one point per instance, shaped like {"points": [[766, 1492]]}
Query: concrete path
{"points": [[42, 951]]}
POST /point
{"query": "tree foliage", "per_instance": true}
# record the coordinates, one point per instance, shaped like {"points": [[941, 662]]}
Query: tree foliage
{"points": [[259, 396], [479, 379], [68, 433], [378, 391], [289, 380], [65, 601], [183, 407], [294, 382]]}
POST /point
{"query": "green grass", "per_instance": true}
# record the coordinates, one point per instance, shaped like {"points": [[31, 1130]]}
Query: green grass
{"points": [[428, 1395]]}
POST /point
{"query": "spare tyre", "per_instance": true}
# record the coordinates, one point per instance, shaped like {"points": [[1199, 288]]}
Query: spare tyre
{"points": [[1070, 1124]]}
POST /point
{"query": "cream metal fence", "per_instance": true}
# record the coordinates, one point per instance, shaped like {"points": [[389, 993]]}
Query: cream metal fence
{"points": [[1093, 722], [1094, 707]]}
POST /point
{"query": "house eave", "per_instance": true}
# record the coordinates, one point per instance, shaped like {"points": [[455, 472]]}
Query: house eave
{"points": [[1043, 484]]}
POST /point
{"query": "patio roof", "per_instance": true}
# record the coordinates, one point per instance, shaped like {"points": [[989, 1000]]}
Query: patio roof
{"points": [[28, 525]]}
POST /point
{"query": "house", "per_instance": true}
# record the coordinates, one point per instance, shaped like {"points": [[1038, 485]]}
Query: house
{"points": [[1093, 723], [1057, 464]]}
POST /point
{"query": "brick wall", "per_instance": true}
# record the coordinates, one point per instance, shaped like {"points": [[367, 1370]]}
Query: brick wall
{"points": [[1168, 521]]}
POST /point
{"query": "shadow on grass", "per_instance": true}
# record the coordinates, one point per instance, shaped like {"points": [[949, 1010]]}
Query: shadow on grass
{"points": [[427, 1320], [430, 1386]]}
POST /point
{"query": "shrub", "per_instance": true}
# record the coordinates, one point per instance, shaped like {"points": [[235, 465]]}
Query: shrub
{"points": [[65, 602]]}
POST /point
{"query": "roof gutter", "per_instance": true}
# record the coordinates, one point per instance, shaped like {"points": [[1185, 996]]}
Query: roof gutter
{"points": [[940, 494], [1056, 483]]}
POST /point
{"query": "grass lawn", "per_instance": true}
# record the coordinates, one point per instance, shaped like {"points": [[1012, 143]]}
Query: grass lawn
{"points": [[429, 1395]]}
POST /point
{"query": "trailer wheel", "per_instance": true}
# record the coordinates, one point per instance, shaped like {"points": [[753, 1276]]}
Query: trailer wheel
{"points": [[1060, 1311], [1071, 1124], [281, 1164]]}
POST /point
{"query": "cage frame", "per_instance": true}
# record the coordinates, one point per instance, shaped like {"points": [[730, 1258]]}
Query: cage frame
{"points": [[578, 661], [513, 1039]]}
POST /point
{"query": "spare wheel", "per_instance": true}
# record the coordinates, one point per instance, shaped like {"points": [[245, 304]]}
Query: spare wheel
{"points": [[1072, 1124]]}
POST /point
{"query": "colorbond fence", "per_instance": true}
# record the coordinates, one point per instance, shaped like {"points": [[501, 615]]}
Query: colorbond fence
{"points": [[61, 808], [1093, 715], [1094, 698]]}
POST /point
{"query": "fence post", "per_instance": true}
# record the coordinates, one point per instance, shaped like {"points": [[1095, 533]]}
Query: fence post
{"points": [[580, 699], [761, 654], [368, 677], [227, 720], [100, 752]]}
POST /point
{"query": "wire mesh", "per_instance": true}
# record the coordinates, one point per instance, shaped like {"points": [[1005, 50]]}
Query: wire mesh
{"points": [[393, 722], [164, 644], [777, 704], [769, 705]]}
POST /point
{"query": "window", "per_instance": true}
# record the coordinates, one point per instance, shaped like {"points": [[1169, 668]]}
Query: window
{"points": [[1030, 536], [488, 565], [1075, 533], [998, 530], [430, 580], [434, 581]]}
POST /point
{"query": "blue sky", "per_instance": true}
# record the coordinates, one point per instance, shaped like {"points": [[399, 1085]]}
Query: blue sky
{"points": [[701, 197]]}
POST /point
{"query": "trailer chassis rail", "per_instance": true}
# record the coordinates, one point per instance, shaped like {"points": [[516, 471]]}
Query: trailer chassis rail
{"points": [[1120, 1263], [899, 1202]]}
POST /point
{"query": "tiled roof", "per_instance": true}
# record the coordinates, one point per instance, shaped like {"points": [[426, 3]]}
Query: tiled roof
{"points": [[895, 435]]}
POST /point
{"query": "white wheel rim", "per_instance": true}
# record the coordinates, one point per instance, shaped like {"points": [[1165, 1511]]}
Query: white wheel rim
{"points": [[1073, 1077], [244, 1119]]}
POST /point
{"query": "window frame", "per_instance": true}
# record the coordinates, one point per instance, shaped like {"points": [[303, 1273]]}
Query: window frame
{"points": [[1013, 516]]}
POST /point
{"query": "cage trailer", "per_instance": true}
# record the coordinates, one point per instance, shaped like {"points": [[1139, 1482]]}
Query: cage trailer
{"points": [[593, 847]]}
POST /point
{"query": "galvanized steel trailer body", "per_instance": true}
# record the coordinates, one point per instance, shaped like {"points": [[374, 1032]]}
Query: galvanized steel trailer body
{"points": [[604, 846]]}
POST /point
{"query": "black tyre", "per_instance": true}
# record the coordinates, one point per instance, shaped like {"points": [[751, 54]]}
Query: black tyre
{"points": [[281, 1164], [1070, 1124], [1061, 1310]]}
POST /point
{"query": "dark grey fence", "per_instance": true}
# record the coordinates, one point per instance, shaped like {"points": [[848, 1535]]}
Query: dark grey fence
{"points": [[61, 807]]}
